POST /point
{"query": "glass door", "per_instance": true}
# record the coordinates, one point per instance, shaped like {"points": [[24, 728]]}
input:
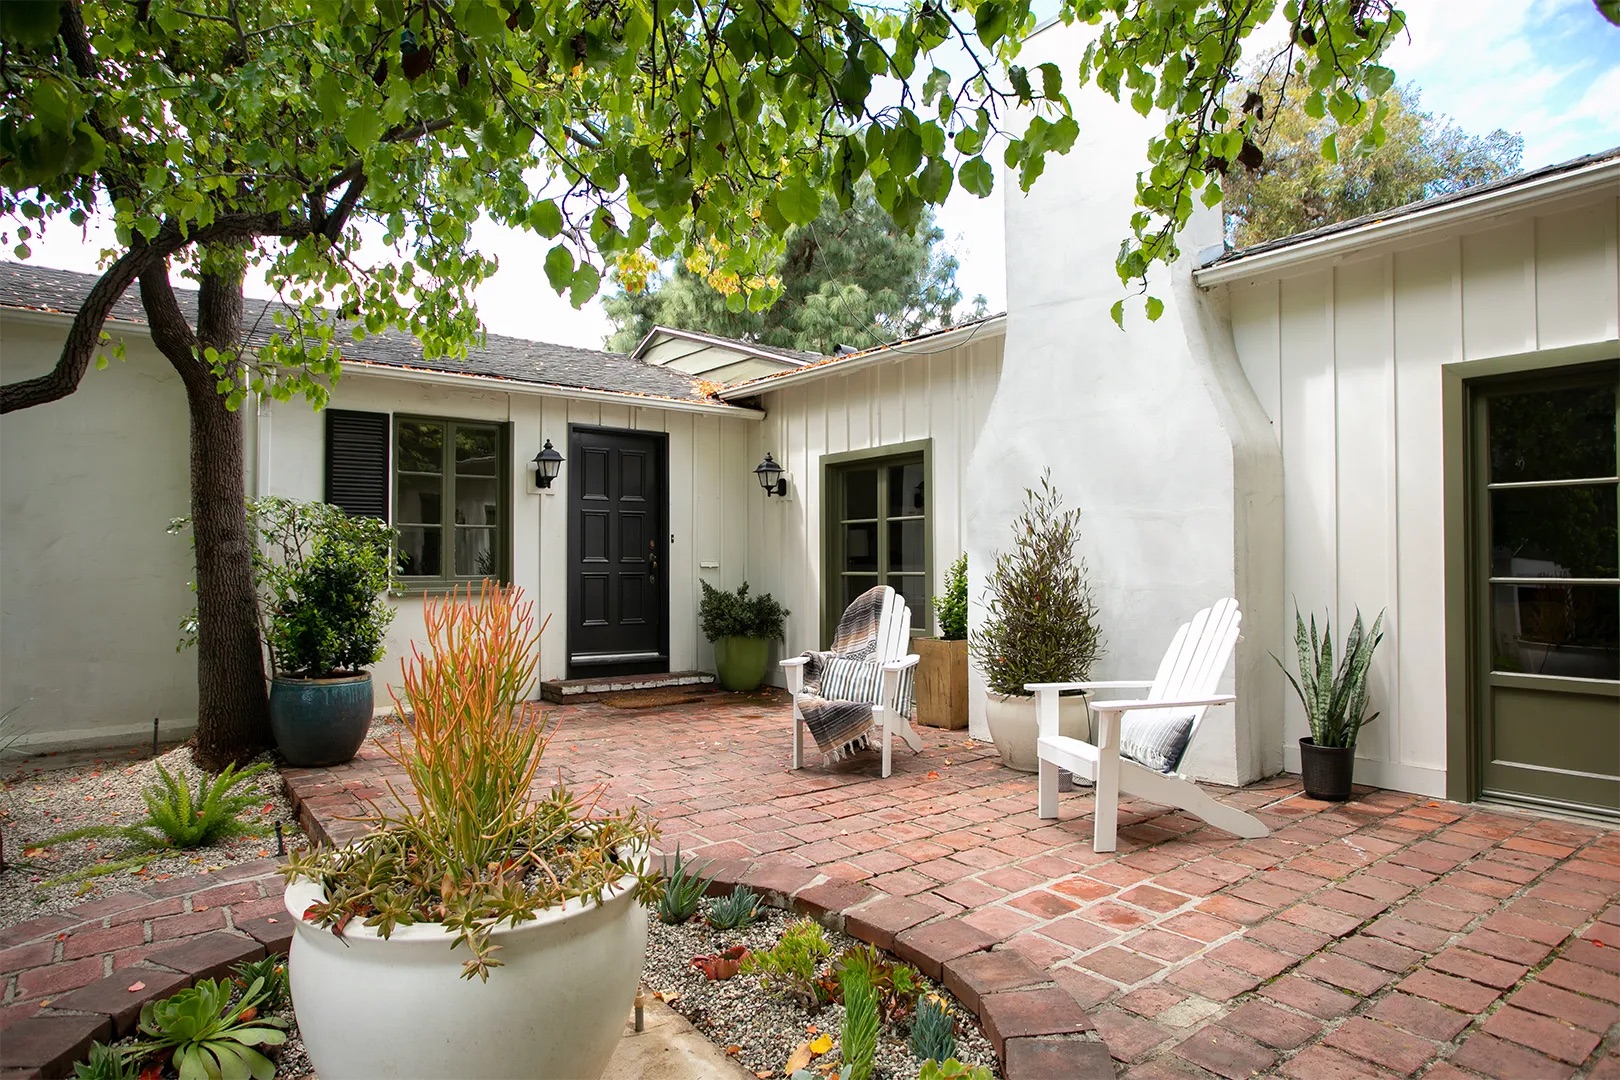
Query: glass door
{"points": [[878, 535]]}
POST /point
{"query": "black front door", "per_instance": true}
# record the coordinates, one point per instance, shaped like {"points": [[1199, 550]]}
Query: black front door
{"points": [[618, 593]]}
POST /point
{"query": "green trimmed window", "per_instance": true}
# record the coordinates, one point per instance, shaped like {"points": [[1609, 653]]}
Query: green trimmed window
{"points": [[452, 500], [878, 530]]}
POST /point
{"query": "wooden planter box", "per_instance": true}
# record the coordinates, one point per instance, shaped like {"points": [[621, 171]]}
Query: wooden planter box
{"points": [[942, 683]]}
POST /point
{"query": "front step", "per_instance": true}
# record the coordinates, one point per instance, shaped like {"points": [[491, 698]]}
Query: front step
{"points": [[569, 691]]}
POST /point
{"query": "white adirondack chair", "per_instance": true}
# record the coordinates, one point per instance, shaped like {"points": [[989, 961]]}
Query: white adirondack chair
{"points": [[894, 639], [1188, 677]]}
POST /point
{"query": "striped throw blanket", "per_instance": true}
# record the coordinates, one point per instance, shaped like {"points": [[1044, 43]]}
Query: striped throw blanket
{"points": [[844, 683]]}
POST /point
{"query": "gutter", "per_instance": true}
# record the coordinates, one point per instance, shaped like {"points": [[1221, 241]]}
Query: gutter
{"points": [[1411, 226], [995, 326]]}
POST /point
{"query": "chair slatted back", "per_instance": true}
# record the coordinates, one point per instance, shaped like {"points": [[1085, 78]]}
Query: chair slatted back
{"points": [[894, 631], [1193, 665]]}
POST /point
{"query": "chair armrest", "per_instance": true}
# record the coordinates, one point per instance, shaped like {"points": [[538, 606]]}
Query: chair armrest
{"points": [[793, 674], [796, 662], [1183, 703], [902, 663], [1111, 684]]}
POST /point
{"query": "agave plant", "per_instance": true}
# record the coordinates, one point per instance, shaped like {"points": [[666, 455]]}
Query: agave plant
{"points": [[1335, 700]]}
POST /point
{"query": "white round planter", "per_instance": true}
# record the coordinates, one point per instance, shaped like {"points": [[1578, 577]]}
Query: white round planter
{"points": [[1011, 718], [398, 1007]]}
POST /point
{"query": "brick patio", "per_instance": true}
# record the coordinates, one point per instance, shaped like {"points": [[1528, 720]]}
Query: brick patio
{"points": [[1388, 936]]}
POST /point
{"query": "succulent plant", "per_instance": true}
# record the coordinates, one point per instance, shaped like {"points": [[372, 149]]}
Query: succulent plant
{"points": [[736, 911], [682, 891], [933, 1031], [859, 1037]]}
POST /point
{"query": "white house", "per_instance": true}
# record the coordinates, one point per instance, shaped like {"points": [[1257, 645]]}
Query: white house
{"points": [[1413, 414]]}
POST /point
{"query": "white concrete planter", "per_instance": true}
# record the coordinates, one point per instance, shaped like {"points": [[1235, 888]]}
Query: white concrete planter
{"points": [[1011, 719], [369, 1007]]}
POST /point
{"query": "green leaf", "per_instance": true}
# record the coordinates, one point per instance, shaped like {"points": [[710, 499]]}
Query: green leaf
{"points": [[363, 128], [1117, 313], [976, 176], [560, 268], [1330, 149], [798, 201], [1155, 308], [545, 218], [587, 279]]}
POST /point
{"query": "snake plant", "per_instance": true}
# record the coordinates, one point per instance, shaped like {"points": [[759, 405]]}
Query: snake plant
{"points": [[1335, 700]]}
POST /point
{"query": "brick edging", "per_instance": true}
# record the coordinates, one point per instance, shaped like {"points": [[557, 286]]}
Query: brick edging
{"points": [[1038, 1030]]}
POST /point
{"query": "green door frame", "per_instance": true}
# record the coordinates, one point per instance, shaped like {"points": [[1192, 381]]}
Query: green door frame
{"points": [[831, 546]]}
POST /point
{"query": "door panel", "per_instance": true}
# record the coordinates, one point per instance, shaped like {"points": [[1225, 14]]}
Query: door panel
{"points": [[1545, 500], [618, 598]]}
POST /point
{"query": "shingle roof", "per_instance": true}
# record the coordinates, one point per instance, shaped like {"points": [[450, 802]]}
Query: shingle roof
{"points": [[38, 288]]}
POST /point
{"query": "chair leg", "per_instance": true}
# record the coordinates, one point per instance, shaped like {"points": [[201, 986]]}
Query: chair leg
{"points": [[798, 740], [909, 733], [1046, 802], [1105, 818], [888, 745]]}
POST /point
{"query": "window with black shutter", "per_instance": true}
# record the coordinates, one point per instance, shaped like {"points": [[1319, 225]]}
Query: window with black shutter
{"points": [[357, 462]]}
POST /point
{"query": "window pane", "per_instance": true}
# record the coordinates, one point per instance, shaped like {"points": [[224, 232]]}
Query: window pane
{"points": [[419, 500], [914, 587], [907, 550], [906, 489], [1567, 630], [475, 552], [854, 585], [860, 547], [420, 552], [1553, 434], [421, 447], [476, 500], [860, 493], [1555, 532], [477, 451]]}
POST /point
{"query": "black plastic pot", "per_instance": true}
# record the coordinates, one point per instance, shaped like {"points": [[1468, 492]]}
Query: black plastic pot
{"points": [[1326, 770]]}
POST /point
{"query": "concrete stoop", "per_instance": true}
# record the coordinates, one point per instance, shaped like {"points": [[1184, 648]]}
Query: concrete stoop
{"points": [[573, 691]]}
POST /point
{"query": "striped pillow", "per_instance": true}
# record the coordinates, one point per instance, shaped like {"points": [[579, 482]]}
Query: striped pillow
{"points": [[851, 680], [1156, 738]]}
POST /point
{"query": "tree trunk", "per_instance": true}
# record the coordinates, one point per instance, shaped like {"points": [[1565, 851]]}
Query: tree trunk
{"points": [[233, 720]]}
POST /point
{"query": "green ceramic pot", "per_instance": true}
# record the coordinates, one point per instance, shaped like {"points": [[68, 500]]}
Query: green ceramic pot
{"points": [[739, 662], [320, 721]]}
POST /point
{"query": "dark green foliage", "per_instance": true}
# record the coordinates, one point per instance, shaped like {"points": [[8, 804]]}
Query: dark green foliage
{"points": [[725, 614], [736, 911], [1335, 701], [859, 1038], [951, 1069], [176, 818], [850, 277], [933, 1031], [896, 984], [213, 1033], [271, 971], [107, 1063], [788, 968], [1040, 622], [951, 607], [682, 891]]}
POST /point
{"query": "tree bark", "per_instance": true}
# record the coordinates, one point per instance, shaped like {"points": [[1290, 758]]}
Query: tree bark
{"points": [[233, 720]]}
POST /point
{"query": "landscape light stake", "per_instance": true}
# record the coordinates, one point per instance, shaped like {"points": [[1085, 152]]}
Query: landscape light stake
{"points": [[154, 736], [281, 844], [641, 1000]]}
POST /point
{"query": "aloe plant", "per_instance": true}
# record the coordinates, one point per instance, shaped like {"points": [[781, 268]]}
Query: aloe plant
{"points": [[1335, 699]]}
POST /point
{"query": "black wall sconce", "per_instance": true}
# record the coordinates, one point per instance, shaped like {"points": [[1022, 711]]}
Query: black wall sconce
{"points": [[769, 474], [547, 464]]}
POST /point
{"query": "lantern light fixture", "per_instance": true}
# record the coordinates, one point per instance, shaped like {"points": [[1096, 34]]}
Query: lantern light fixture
{"points": [[547, 464], [769, 475]]}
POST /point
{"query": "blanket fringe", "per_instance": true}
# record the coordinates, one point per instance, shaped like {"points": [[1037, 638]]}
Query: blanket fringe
{"points": [[858, 743]]}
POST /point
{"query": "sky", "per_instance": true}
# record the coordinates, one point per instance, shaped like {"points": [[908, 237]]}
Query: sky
{"points": [[1548, 70]]}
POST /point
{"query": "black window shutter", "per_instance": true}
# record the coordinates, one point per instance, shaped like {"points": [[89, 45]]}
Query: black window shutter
{"points": [[357, 462]]}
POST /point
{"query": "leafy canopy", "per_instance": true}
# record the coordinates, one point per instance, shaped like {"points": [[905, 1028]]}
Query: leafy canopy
{"points": [[1295, 188], [279, 128], [850, 277]]}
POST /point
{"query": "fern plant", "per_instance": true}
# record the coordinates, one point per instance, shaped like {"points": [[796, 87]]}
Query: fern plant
{"points": [[859, 1037], [211, 1034], [682, 891], [736, 911], [1335, 700], [933, 1031]]}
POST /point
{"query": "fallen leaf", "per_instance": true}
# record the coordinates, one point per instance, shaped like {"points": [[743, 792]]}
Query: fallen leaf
{"points": [[811, 1029], [765, 1074], [799, 1059], [667, 995], [821, 1045], [733, 1050], [199, 907], [136, 987], [33, 852], [932, 775], [270, 918]]}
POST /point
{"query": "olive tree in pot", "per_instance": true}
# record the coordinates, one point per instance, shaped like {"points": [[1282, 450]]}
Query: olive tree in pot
{"points": [[942, 670], [1040, 626], [1335, 702], [322, 579], [488, 931], [742, 628]]}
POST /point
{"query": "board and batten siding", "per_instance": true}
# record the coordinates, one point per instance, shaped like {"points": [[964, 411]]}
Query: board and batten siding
{"points": [[706, 489], [940, 396], [1358, 363]]}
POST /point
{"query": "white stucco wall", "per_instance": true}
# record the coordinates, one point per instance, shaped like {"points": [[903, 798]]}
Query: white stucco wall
{"points": [[1349, 358], [92, 588], [1153, 432], [909, 396]]}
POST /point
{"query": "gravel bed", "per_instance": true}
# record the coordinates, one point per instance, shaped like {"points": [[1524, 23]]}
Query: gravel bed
{"points": [[766, 1029], [38, 802]]}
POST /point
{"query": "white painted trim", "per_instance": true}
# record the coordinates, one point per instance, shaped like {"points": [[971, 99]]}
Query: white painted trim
{"points": [[1414, 225], [944, 341], [718, 342], [1417, 779]]}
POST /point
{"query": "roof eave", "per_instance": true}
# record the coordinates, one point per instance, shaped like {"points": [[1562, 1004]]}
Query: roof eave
{"points": [[717, 342]]}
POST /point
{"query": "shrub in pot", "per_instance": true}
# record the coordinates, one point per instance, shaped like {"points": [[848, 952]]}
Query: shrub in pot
{"points": [[742, 628], [1335, 701], [322, 577], [488, 931], [1040, 626], [942, 677]]}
